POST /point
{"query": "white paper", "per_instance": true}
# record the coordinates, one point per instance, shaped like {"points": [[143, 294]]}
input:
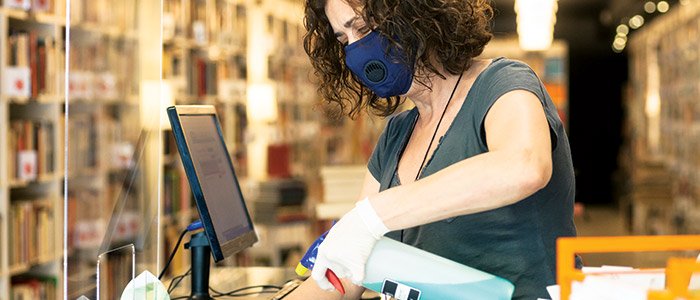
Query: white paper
{"points": [[146, 286], [554, 292], [695, 279], [625, 283]]}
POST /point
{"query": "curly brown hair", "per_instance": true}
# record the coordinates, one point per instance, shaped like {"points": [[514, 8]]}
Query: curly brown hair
{"points": [[440, 34]]}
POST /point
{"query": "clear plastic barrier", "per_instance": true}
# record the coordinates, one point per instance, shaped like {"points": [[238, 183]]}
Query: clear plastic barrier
{"points": [[113, 142]]}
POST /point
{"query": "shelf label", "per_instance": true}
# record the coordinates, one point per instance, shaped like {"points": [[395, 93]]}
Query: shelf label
{"points": [[16, 82], [40, 5], [26, 160], [89, 233], [21, 4]]}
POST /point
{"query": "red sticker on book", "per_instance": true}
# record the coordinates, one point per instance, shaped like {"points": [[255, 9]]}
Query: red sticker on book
{"points": [[19, 84], [28, 168]]}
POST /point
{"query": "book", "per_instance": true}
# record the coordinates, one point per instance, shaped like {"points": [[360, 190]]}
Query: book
{"points": [[31, 69], [31, 236], [31, 152]]}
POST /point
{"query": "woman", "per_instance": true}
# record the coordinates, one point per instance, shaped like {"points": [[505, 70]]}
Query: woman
{"points": [[478, 172]]}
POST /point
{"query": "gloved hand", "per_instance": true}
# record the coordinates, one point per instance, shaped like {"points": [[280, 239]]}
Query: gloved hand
{"points": [[348, 245]]}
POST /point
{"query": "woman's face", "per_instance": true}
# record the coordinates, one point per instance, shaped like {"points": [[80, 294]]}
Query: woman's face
{"points": [[347, 25]]}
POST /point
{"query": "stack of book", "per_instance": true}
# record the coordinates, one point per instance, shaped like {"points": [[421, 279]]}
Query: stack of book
{"points": [[279, 200], [342, 186]]}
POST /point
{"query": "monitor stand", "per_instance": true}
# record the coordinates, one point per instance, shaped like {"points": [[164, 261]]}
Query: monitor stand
{"points": [[200, 254]]}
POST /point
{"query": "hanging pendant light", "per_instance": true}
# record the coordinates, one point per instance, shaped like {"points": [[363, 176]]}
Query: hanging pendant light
{"points": [[536, 19]]}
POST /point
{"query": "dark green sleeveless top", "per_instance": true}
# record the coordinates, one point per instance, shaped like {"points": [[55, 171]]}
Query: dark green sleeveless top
{"points": [[516, 242]]}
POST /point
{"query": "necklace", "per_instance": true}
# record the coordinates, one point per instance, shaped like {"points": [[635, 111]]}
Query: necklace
{"points": [[425, 156]]}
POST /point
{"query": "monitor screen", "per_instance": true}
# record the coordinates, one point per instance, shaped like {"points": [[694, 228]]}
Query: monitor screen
{"points": [[212, 179]]}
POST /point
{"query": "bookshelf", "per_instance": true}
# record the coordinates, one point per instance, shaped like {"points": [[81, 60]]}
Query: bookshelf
{"points": [[662, 126], [30, 155]]}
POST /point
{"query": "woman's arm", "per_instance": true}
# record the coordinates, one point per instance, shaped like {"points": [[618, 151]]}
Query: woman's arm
{"points": [[517, 165], [309, 289]]}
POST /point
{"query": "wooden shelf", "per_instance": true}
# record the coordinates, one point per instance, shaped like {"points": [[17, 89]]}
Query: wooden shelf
{"points": [[112, 32], [215, 50], [42, 99], [192, 99], [17, 183], [32, 16], [24, 267], [128, 100]]}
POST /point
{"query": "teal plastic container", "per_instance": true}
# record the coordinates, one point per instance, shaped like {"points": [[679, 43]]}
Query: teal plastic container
{"points": [[408, 273]]}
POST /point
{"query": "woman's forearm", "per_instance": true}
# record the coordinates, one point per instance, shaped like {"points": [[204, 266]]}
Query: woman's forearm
{"points": [[310, 290], [484, 182]]}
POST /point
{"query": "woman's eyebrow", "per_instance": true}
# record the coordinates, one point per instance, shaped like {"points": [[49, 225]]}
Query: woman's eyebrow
{"points": [[347, 24]]}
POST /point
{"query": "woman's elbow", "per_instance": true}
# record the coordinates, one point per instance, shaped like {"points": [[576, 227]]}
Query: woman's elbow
{"points": [[535, 176]]}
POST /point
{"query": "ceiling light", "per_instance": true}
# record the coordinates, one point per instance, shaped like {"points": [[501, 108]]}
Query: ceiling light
{"points": [[636, 22], [618, 48], [536, 19], [622, 29], [662, 6], [620, 42], [649, 7]]}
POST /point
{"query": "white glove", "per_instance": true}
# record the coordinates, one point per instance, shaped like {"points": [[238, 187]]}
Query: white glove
{"points": [[348, 244]]}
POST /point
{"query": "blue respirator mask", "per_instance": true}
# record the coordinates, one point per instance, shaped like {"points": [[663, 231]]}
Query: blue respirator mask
{"points": [[368, 60]]}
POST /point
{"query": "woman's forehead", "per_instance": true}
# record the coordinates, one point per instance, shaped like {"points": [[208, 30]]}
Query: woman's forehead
{"points": [[339, 13]]}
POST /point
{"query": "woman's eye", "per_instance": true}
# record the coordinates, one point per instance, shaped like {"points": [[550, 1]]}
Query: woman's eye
{"points": [[362, 31]]}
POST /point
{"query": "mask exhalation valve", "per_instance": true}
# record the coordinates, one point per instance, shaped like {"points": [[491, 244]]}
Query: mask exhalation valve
{"points": [[375, 71]]}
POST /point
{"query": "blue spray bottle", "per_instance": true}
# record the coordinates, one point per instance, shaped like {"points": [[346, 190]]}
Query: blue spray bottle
{"points": [[309, 259]]}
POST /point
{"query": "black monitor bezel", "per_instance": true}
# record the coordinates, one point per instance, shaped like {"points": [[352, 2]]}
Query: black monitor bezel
{"points": [[219, 251]]}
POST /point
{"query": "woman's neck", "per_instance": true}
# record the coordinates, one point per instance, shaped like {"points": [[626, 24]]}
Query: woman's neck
{"points": [[431, 102]]}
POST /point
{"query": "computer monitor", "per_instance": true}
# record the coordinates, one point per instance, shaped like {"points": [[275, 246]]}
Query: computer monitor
{"points": [[212, 179]]}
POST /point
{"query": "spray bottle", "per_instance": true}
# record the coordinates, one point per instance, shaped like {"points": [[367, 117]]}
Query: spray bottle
{"points": [[309, 259], [408, 273]]}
